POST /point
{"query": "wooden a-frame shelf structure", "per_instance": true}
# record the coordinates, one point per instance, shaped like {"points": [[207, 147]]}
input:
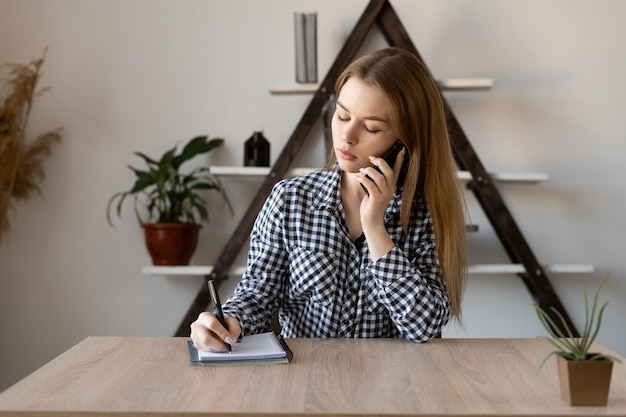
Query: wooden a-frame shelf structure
{"points": [[381, 13]]}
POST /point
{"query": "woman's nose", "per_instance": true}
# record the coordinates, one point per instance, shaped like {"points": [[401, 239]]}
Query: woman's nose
{"points": [[349, 133]]}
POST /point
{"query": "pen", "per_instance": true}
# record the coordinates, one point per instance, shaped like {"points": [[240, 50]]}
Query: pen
{"points": [[215, 297]]}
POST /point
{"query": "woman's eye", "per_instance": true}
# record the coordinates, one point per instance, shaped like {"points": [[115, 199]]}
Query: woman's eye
{"points": [[373, 130], [340, 118]]}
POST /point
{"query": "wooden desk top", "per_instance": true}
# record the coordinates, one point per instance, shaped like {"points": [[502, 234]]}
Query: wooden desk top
{"points": [[154, 377]]}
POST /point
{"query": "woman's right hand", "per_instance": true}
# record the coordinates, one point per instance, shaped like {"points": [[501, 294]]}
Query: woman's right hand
{"points": [[207, 333]]}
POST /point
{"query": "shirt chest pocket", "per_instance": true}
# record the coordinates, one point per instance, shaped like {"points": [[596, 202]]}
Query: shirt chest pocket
{"points": [[312, 276]]}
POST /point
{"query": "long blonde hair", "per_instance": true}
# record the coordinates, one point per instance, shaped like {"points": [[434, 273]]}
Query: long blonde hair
{"points": [[418, 119]]}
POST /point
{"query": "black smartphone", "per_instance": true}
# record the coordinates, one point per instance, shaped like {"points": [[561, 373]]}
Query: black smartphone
{"points": [[390, 157]]}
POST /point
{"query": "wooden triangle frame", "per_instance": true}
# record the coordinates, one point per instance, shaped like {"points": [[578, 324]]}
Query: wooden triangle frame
{"points": [[381, 13]]}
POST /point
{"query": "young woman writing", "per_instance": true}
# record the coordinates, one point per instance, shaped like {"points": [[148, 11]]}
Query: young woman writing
{"points": [[351, 251]]}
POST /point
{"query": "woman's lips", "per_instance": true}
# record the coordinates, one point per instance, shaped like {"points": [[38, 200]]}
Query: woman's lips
{"points": [[346, 155]]}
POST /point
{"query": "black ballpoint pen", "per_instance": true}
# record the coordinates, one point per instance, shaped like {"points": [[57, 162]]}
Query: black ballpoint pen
{"points": [[215, 297]]}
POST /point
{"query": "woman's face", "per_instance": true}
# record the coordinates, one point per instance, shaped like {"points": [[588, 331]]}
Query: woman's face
{"points": [[361, 125]]}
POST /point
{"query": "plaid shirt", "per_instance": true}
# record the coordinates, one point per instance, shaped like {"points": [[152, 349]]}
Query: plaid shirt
{"points": [[301, 259]]}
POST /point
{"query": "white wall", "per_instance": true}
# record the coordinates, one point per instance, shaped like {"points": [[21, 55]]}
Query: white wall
{"points": [[131, 75]]}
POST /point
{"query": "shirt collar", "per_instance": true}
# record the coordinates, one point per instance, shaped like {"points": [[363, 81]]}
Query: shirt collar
{"points": [[329, 197]]}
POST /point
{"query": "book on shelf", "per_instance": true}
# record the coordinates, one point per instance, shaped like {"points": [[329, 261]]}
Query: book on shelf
{"points": [[305, 26]]}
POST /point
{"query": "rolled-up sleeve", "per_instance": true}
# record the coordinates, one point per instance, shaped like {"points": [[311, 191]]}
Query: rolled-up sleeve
{"points": [[417, 300]]}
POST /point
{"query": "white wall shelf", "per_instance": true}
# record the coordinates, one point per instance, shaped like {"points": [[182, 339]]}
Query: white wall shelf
{"points": [[255, 171], [519, 268], [451, 84], [516, 177], [202, 270], [177, 270], [528, 177]]}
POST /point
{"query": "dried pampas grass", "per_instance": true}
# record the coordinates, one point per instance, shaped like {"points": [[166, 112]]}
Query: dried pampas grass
{"points": [[21, 160]]}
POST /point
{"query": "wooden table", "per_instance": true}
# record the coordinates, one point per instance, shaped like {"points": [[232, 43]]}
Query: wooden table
{"points": [[153, 377]]}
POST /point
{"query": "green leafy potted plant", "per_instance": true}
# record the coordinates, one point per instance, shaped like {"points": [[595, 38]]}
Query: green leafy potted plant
{"points": [[173, 200], [585, 377]]}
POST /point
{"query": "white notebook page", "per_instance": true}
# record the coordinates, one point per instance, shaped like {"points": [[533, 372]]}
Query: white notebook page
{"points": [[256, 346]]}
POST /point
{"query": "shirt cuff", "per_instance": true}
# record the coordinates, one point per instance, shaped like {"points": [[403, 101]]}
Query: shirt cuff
{"points": [[387, 269]]}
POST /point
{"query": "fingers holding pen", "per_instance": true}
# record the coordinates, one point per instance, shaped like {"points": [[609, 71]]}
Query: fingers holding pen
{"points": [[202, 337], [234, 331], [208, 334]]}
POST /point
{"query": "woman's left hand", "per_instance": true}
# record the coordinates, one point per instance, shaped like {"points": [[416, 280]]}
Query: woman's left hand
{"points": [[381, 188]]}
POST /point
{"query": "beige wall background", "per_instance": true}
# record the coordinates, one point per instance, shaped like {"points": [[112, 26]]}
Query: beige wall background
{"points": [[130, 75]]}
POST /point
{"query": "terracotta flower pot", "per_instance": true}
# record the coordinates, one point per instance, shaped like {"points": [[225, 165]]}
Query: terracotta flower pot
{"points": [[585, 382], [171, 243]]}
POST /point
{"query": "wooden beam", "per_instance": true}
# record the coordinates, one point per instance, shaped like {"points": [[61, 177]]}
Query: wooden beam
{"points": [[484, 189], [284, 161]]}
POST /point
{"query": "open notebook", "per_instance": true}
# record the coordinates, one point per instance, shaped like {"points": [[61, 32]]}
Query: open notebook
{"points": [[264, 348]]}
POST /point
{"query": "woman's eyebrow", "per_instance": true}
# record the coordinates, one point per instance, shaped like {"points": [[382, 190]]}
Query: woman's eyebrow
{"points": [[374, 118]]}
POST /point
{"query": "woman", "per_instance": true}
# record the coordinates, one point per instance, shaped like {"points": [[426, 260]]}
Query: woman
{"points": [[350, 251]]}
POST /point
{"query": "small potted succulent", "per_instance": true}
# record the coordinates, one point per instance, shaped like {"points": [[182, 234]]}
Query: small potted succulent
{"points": [[585, 376], [174, 201]]}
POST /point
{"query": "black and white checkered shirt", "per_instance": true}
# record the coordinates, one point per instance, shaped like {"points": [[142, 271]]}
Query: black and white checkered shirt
{"points": [[301, 259]]}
